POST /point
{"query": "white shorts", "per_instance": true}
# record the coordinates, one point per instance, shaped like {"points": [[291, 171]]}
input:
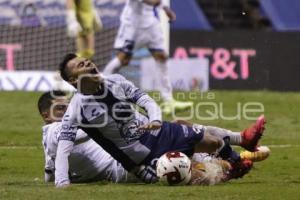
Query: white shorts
{"points": [[130, 38]]}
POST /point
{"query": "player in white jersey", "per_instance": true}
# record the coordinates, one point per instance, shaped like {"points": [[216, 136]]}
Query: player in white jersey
{"points": [[103, 107], [140, 27], [88, 161]]}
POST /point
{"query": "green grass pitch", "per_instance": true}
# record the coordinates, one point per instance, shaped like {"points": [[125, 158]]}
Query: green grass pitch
{"points": [[21, 154]]}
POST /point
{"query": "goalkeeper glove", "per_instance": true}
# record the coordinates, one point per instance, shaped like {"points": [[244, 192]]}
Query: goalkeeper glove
{"points": [[73, 27]]}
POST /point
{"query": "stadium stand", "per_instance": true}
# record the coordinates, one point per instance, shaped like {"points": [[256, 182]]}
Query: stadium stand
{"points": [[229, 14], [193, 19], [284, 15], [39, 27]]}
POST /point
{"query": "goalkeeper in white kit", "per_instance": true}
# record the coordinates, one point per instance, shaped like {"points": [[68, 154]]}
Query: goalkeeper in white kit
{"points": [[140, 27]]}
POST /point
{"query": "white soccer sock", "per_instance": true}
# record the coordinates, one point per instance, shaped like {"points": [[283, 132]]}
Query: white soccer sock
{"points": [[112, 67], [164, 83], [235, 137]]}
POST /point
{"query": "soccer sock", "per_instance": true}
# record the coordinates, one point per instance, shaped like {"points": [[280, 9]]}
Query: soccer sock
{"points": [[164, 83], [112, 67], [235, 137], [227, 153]]}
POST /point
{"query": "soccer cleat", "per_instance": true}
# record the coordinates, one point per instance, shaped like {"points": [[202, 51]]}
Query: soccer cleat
{"points": [[173, 105], [252, 134], [261, 154], [239, 169]]}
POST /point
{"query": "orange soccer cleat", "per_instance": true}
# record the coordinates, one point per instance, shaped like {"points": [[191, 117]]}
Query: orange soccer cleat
{"points": [[252, 134], [261, 154]]}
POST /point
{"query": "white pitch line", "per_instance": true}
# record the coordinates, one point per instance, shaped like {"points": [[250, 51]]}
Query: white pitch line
{"points": [[282, 145], [19, 147], [36, 147]]}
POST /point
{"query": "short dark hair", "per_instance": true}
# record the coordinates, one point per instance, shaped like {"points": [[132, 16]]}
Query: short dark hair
{"points": [[45, 100], [63, 65]]}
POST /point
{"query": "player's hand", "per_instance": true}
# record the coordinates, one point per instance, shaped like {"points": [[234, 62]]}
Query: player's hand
{"points": [[183, 122], [170, 13], [146, 174], [73, 27], [154, 125]]}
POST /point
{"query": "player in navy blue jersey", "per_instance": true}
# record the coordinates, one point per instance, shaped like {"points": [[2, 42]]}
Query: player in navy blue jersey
{"points": [[103, 107]]}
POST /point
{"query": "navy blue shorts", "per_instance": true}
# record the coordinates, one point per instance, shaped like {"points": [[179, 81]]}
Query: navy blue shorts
{"points": [[172, 137]]}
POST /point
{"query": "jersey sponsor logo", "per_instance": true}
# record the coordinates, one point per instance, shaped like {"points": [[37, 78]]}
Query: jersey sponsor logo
{"points": [[67, 132], [93, 110]]}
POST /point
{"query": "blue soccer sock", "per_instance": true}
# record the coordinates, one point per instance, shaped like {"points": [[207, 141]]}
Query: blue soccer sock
{"points": [[227, 153]]}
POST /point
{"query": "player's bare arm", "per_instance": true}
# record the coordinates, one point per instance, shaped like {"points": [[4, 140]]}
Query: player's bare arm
{"points": [[154, 125]]}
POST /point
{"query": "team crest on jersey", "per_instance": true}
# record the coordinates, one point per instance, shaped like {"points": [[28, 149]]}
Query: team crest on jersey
{"points": [[130, 132]]}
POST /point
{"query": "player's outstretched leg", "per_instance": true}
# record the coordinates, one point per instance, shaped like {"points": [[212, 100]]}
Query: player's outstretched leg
{"points": [[248, 139], [238, 166], [122, 59], [170, 104]]}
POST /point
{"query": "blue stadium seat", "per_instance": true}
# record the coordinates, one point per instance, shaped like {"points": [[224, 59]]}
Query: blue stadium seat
{"points": [[283, 14], [189, 16]]}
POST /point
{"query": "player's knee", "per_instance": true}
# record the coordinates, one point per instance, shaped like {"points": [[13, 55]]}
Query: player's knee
{"points": [[219, 143], [208, 144], [160, 56], [125, 61], [124, 58], [214, 144]]}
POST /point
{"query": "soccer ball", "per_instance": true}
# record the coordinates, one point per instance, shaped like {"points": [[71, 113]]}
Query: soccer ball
{"points": [[174, 168]]}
